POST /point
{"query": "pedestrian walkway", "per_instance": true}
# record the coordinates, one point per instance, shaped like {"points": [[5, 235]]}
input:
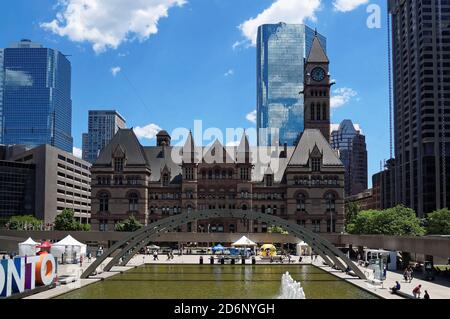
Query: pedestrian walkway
{"points": [[437, 290]]}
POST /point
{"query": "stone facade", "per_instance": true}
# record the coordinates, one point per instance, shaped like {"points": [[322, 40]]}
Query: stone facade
{"points": [[303, 184]]}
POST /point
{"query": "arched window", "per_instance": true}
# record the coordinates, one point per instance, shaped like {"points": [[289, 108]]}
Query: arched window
{"points": [[133, 201], [104, 202], [189, 209], [301, 203], [244, 207], [331, 202], [275, 209], [217, 174], [313, 112], [318, 112], [210, 174]]}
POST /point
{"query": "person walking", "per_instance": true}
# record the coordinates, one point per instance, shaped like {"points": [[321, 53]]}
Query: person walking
{"points": [[155, 255], [426, 295], [417, 292], [81, 261]]}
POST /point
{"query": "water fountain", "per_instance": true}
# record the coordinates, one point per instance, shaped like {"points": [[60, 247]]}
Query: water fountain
{"points": [[290, 289]]}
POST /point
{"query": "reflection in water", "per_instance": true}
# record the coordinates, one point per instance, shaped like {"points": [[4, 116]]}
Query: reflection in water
{"points": [[217, 282]]}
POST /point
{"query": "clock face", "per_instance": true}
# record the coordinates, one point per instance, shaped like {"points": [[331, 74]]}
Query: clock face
{"points": [[318, 74]]}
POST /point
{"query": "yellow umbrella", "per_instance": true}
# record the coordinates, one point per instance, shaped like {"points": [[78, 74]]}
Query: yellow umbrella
{"points": [[268, 246]]}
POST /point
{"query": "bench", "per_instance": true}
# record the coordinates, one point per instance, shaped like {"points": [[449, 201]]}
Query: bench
{"points": [[402, 294]]}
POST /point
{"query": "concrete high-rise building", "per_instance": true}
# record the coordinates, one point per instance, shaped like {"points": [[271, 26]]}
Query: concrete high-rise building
{"points": [[102, 127], [348, 139], [421, 72], [281, 52], [43, 182], [35, 96]]}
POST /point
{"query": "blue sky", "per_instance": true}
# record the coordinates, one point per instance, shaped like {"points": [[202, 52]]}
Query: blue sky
{"points": [[176, 61]]}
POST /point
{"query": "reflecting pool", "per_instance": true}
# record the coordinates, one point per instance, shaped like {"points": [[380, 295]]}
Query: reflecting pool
{"points": [[217, 282]]}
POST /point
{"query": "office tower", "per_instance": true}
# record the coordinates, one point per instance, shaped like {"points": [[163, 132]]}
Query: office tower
{"points": [[348, 139], [102, 127], [36, 96], [43, 182], [421, 61], [281, 52]]}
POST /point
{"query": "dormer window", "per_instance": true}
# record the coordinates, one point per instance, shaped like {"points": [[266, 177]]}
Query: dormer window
{"points": [[165, 180], [118, 164], [269, 180], [315, 164]]}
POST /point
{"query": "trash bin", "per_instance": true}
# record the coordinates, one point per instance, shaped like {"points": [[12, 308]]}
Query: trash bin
{"points": [[233, 262], [201, 260], [211, 260]]}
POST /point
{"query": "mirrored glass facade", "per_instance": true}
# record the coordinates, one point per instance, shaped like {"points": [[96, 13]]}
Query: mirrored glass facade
{"points": [[37, 105], [281, 51], [103, 125]]}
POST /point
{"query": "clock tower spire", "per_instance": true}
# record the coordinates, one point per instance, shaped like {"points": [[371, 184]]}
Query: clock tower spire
{"points": [[317, 89]]}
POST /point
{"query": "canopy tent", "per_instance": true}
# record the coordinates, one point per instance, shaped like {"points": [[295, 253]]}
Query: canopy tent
{"points": [[244, 242], [303, 249], [218, 247], [268, 250], [28, 248], [68, 246]]}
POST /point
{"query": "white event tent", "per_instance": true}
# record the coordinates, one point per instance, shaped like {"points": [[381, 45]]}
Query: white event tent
{"points": [[244, 242], [67, 246], [28, 248]]}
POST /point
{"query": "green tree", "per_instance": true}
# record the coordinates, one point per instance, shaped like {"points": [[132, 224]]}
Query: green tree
{"points": [[277, 230], [24, 223], [397, 221], [439, 222], [129, 225], [351, 212], [66, 222]]}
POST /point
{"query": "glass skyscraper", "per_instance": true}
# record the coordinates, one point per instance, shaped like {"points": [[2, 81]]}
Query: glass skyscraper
{"points": [[102, 127], [35, 96], [281, 52]]}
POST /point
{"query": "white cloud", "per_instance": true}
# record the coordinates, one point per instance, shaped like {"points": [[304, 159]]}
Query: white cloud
{"points": [[342, 96], [147, 132], [229, 72], [116, 70], [348, 5], [288, 11], [108, 23], [251, 117], [77, 152]]}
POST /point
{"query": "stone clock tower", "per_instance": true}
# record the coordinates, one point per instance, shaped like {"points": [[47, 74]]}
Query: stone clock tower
{"points": [[317, 89]]}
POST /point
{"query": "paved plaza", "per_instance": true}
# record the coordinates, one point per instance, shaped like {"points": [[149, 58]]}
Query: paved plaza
{"points": [[439, 289]]}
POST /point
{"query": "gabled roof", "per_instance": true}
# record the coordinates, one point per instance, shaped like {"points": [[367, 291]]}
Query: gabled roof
{"points": [[217, 153], [126, 141], [317, 54], [311, 139]]}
